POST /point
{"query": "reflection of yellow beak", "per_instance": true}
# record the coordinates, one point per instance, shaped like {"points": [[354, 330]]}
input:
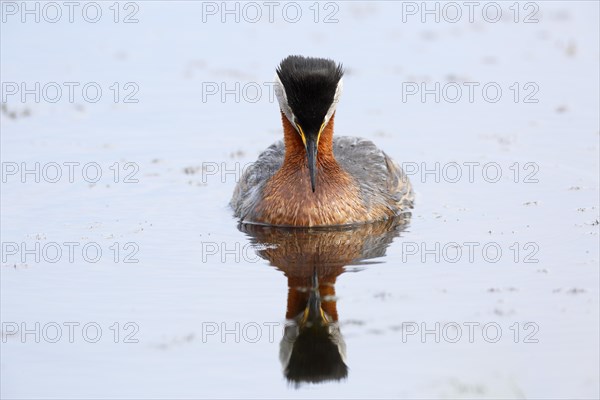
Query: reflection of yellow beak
{"points": [[313, 313]]}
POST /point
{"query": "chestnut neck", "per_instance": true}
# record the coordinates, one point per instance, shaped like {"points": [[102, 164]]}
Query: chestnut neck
{"points": [[298, 299], [295, 153]]}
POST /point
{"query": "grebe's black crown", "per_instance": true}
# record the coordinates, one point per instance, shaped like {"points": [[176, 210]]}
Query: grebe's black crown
{"points": [[311, 87]]}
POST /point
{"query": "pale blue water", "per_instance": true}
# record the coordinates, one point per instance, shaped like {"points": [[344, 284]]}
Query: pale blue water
{"points": [[196, 270]]}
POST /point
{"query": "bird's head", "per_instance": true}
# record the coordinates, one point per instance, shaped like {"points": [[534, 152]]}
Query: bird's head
{"points": [[308, 90]]}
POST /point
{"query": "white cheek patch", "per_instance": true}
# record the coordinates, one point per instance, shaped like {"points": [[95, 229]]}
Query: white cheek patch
{"points": [[336, 99], [283, 103]]}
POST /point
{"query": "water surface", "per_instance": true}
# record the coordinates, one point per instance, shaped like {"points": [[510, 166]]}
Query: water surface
{"points": [[208, 302]]}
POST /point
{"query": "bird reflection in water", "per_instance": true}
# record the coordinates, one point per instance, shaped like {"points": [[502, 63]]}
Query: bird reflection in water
{"points": [[312, 349]]}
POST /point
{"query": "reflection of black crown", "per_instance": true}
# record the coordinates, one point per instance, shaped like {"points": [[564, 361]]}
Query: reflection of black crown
{"points": [[317, 355]]}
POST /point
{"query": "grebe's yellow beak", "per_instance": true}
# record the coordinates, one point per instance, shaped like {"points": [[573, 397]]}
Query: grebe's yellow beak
{"points": [[311, 144]]}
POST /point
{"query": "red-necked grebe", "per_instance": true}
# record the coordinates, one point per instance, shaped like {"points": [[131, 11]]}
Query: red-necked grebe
{"points": [[311, 178]]}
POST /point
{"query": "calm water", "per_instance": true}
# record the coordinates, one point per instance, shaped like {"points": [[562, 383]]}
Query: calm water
{"points": [[490, 289]]}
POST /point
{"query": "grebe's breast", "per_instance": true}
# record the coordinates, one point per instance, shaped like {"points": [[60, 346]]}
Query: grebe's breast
{"points": [[380, 182]]}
